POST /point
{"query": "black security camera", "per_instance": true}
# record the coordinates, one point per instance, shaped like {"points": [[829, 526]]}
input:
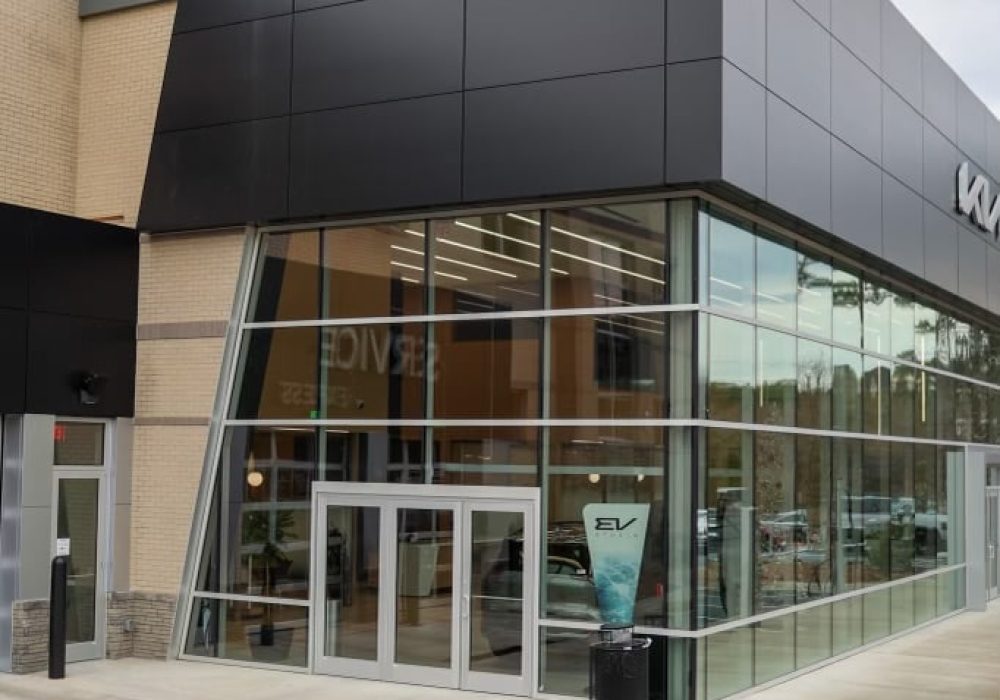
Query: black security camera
{"points": [[91, 386]]}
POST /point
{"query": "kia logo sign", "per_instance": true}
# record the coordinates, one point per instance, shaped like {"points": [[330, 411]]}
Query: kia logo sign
{"points": [[974, 201]]}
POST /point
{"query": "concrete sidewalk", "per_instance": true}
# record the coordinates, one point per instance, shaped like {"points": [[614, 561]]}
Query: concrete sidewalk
{"points": [[958, 659], [137, 679]]}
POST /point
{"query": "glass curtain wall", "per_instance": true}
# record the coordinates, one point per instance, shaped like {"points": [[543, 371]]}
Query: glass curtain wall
{"points": [[792, 426], [828, 508]]}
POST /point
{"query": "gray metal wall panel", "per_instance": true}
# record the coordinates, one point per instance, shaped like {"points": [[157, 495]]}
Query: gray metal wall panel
{"points": [[857, 199], [798, 60], [384, 156], [972, 118], [902, 226], [940, 248], [200, 14], [744, 131], [227, 74], [516, 41], [972, 267], [694, 30], [993, 146], [993, 279], [941, 161], [798, 164], [11, 473], [856, 104], [940, 93], [338, 64], [858, 25], [553, 137], [902, 55], [902, 140], [744, 36], [693, 129], [819, 9]]}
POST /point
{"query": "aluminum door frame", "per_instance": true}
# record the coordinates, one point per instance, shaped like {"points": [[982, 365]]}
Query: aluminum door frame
{"points": [[386, 497], [87, 651], [992, 518], [481, 681]]}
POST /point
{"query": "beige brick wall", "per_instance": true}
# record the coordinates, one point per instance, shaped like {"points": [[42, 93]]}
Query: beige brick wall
{"points": [[177, 378], [39, 102], [121, 71], [184, 281], [189, 277]]}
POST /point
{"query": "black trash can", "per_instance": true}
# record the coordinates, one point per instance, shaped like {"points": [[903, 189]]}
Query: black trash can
{"points": [[619, 665]]}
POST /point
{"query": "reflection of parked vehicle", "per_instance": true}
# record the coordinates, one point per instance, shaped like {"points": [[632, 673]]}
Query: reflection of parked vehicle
{"points": [[791, 526]]}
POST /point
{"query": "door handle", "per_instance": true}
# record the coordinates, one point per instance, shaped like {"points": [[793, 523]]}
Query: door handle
{"points": [[465, 607]]}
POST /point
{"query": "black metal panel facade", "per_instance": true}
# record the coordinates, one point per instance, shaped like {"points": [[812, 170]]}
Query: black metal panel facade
{"points": [[68, 299], [836, 117]]}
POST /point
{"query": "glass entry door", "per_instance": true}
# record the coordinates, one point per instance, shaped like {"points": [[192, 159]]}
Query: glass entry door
{"points": [[431, 590], [78, 517], [992, 543]]}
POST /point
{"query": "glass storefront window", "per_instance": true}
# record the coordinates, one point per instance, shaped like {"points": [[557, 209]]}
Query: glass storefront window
{"points": [[877, 395], [815, 371], [614, 464], [488, 263], [730, 267], [729, 663], [777, 283], [877, 318], [393, 455], [815, 291], [486, 369], [613, 255], [926, 322], [813, 508], [491, 456], [257, 541], [777, 377], [364, 371], [903, 400], [876, 504], [730, 370], [849, 515], [373, 271], [255, 632], [903, 328], [778, 524], [846, 389], [774, 648], [847, 305], [727, 539], [902, 512], [608, 366], [287, 278]]}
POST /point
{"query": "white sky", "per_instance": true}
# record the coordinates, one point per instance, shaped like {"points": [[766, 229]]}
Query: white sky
{"points": [[967, 34]]}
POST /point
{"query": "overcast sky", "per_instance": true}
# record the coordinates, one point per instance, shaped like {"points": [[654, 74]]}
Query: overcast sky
{"points": [[967, 34]]}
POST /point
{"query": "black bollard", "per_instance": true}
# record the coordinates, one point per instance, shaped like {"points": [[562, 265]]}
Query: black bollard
{"points": [[57, 618]]}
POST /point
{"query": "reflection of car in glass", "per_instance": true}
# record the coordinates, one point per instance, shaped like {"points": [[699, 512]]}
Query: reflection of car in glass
{"points": [[788, 527]]}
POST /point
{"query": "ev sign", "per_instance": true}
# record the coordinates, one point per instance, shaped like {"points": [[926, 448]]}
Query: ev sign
{"points": [[974, 201], [616, 537]]}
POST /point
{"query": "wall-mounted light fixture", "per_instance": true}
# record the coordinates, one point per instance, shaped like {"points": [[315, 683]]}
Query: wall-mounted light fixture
{"points": [[90, 388]]}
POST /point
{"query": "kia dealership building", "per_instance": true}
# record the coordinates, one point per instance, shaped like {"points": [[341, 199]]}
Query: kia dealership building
{"points": [[467, 326]]}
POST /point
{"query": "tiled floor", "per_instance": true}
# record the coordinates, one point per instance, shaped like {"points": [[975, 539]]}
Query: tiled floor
{"points": [[958, 659]]}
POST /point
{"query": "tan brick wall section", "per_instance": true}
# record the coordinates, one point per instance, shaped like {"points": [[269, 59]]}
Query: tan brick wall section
{"points": [[188, 278], [181, 279], [39, 102], [121, 72], [177, 378]]}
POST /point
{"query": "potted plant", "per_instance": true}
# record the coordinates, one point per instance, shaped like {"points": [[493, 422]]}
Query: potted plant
{"points": [[268, 529]]}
